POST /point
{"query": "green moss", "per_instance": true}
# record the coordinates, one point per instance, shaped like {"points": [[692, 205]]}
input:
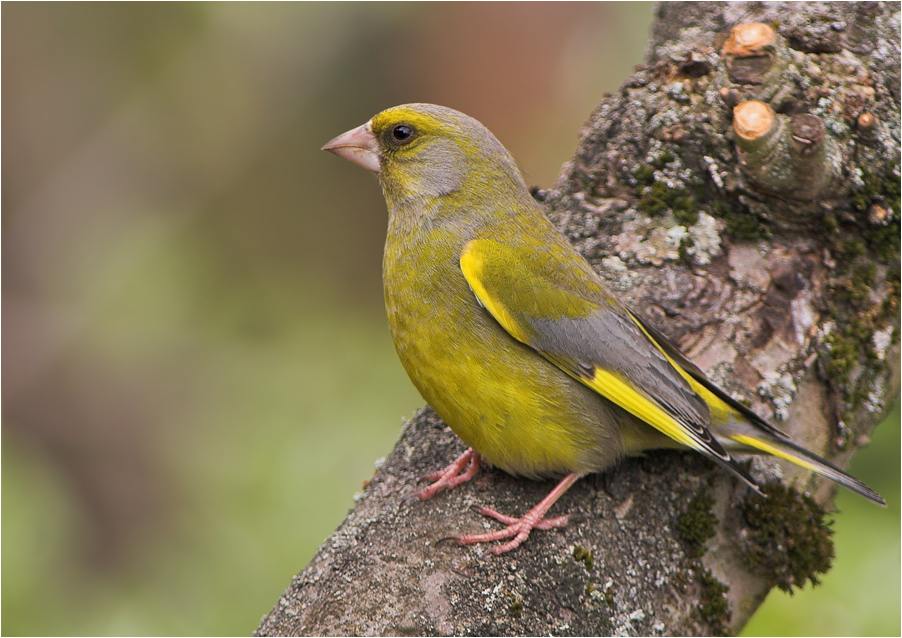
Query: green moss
{"points": [[664, 159], [877, 188], [695, 526], [742, 225], [713, 605], [856, 318], [585, 556], [658, 199], [655, 200], [788, 542], [515, 608], [850, 360], [645, 174], [841, 357], [697, 523], [882, 241], [851, 248], [687, 216]]}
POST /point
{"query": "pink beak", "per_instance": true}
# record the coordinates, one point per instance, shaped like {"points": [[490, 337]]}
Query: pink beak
{"points": [[358, 145]]}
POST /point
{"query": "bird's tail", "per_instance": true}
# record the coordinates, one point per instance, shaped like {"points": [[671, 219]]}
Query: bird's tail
{"points": [[786, 449], [739, 429]]}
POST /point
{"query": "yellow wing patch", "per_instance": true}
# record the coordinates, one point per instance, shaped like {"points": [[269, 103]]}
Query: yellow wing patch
{"points": [[471, 263], [615, 389], [720, 411], [764, 446]]}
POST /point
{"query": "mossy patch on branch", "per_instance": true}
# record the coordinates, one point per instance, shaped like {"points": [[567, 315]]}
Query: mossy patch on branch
{"points": [[851, 361], [584, 556], [697, 523], [658, 198], [713, 605], [857, 315], [788, 541], [515, 606], [882, 239]]}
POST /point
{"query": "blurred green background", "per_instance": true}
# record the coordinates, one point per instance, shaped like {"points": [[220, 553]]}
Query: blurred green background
{"points": [[197, 371]]}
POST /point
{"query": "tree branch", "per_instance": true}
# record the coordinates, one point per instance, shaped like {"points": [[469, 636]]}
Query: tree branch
{"points": [[768, 249]]}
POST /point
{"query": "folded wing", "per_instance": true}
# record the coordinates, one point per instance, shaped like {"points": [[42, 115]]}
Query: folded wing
{"points": [[548, 298]]}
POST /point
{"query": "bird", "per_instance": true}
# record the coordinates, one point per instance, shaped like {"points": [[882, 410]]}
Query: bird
{"points": [[515, 341]]}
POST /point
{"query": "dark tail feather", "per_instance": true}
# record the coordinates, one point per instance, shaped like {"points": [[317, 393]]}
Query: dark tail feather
{"points": [[788, 450], [733, 466]]}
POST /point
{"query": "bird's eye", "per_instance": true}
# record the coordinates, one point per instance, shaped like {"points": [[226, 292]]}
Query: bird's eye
{"points": [[401, 133]]}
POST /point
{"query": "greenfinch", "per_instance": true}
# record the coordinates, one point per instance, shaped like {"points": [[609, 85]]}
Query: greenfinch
{"points": [[512, 337]]}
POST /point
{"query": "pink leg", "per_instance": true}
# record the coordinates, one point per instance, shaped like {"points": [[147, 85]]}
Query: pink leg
{"points": [[520, 528], [451, 476]]}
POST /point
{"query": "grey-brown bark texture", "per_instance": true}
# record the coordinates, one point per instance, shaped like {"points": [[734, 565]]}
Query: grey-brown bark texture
{"points": [[775, 267]]}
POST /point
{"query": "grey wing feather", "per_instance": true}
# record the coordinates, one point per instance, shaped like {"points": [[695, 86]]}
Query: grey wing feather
{"points": [[674, 353], [612, 341]]}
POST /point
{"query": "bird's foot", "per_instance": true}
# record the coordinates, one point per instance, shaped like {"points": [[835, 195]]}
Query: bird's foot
{"points": [[520, 528], [451, 476]]}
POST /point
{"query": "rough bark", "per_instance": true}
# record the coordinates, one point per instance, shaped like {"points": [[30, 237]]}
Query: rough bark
{"points": [[784, 290]]}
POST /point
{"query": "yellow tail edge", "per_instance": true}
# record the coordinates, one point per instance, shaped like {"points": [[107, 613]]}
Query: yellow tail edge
{"points": [[803, 458]]}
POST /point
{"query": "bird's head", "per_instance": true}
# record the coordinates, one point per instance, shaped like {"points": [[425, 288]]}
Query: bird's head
{"points": [[423, 151]]}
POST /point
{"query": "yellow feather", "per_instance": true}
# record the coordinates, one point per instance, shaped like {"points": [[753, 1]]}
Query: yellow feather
{"points": [[764, 446], [720, 411], [471, 262], [615, 389]]}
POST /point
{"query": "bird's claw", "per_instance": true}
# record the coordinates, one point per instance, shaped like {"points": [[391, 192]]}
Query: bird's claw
{"points": [[460, 471]]}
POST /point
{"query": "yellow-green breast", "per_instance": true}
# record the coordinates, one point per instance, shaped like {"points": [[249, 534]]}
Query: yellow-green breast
{"points": [[499, 396]]}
